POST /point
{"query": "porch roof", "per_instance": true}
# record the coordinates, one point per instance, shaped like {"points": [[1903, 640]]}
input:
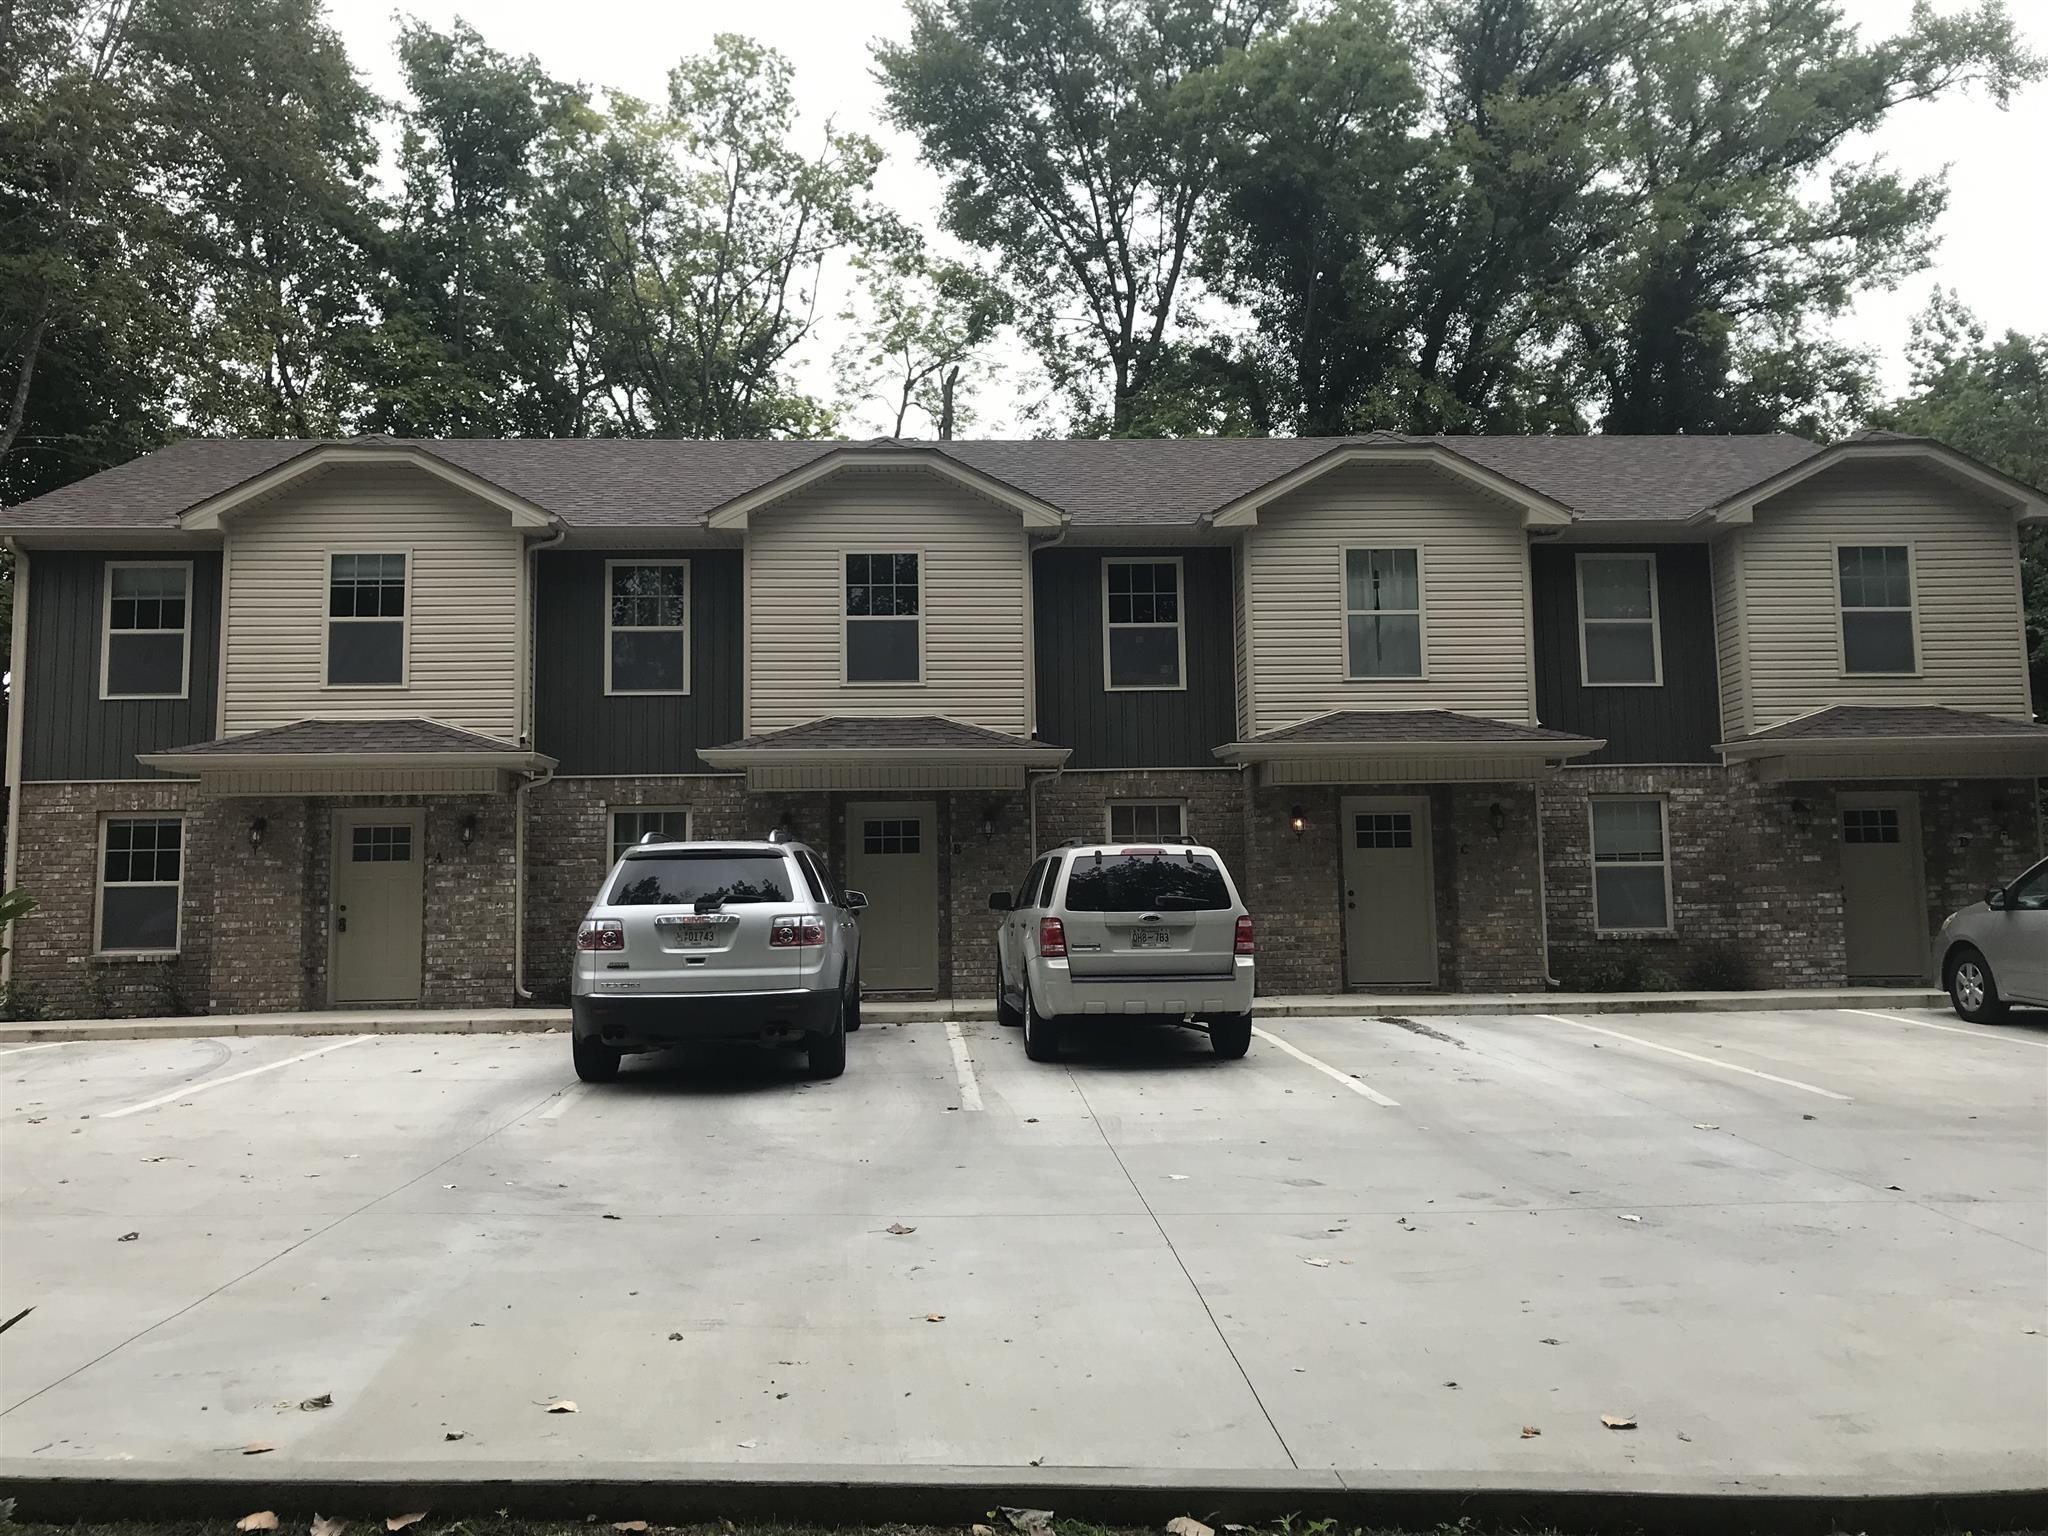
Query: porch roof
{"points": [[351, 757], [885, 752], [1893, 741], [1419, 746]]}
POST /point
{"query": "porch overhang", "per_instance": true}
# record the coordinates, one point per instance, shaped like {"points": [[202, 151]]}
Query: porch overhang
{"points": [[352, 757], [1852, 742], [1426, 746], [887, 752]]}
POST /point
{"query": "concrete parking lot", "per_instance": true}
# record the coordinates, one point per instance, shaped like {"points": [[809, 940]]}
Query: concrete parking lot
{"points": [[1791, 1246]]}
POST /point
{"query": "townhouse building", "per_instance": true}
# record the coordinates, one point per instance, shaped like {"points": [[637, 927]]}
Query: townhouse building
{"points": [[311, 724]]}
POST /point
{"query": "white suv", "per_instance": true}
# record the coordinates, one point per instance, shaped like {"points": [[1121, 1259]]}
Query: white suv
{"points": [[716, 941], [1098, 931]]}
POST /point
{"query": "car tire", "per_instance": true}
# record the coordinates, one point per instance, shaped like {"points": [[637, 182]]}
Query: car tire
{"points": [[853, 1005], [1041, 1032], [1230, 1035], [1972, 990], [596, 1062], [826, 1050], [1007, 1016]]}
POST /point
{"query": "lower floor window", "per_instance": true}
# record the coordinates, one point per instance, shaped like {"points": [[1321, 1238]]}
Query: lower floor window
{"points": [[1631, 872], [1137, 821], [667, 821], [141, 866]]}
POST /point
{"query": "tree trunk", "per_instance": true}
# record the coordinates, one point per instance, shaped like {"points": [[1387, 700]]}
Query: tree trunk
{"points": [[24, 374], [947, 384]]}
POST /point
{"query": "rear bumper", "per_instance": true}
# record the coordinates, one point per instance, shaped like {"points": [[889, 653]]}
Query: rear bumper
{"points": [[644, 1023], [1058, 991]]}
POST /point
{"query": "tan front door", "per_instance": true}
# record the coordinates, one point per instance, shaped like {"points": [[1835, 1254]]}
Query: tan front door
{"points": [[1884, 904], [1389, 892], [892, 857], [375, 924]]}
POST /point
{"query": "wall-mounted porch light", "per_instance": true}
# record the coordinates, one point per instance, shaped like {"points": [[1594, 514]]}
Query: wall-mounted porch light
{"points": [[467, 831], [1497, 818], [1297, 821], [988, 823], [257, 827]]}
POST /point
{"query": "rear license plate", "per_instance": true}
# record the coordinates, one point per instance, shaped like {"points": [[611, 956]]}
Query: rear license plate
{"points": [[1150, 938], [693, 937]]}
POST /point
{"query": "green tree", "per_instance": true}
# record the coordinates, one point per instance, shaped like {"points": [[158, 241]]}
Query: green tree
{"points": [[1988, 398], [1080, 145], [924, 324]]}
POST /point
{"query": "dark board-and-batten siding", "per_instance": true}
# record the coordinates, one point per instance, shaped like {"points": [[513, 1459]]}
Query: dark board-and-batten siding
{"points": [[591, 732], [1676, 723], [69, 732], [1166, 729]]}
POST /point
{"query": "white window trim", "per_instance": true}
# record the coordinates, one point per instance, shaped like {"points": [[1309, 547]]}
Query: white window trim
{"points": [[614, 812], [1594, 864], [1345, 611], [1655, 621], [328, 620], [689, 602], [1109, 810], [845, 618], [100, 884], [1179, 626], [1911, 610], [107, 630]]}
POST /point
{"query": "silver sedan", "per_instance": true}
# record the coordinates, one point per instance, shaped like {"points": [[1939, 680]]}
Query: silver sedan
{"points": [[1994, 953]]}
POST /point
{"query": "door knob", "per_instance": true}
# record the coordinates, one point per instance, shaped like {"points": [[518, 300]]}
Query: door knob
{"points": [[341, 925]]}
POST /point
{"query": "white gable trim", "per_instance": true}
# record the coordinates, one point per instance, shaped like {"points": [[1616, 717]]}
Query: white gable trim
{"points": [[1035, 513], [207, 515], [1537, 510]]}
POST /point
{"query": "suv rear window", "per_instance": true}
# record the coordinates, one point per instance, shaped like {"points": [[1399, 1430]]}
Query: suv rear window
{"points": [[682, 879], [1146, 882]]}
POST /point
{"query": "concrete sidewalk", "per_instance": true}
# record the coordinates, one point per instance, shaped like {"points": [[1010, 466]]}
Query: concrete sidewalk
{"points": [[519, 1021]]}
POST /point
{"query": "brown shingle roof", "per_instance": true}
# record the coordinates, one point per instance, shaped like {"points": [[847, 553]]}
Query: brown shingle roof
{"points": [[1893, 722], [352, 737], [1374, 727], [855, 733], [614, 482]]}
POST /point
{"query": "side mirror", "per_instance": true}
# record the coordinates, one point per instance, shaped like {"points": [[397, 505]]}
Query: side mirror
{"points": [[1001, 901], [1994, 897], [855, 900]]}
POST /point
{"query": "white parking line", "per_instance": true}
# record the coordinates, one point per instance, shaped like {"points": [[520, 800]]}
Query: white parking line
{"points": [[222, 1082], [21, 1050], [1950, 1029], [1364, 1090], [1705, 1061], [563, 1100], [963, 1064]]}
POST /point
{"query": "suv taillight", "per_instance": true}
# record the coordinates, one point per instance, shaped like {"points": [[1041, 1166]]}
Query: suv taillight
{"points": [[1245, 944], [1052, 939], [601, 933], [796, 932]]}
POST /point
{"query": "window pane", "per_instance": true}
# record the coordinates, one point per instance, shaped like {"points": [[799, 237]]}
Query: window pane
{"points": [[1380, 579], [1876, 576], [1386, 645], [647, 661], [1627, 829], [881, 651], [146, 597], [152, 665], [1621, 653], [1144, 658], [1877, 641], [360, 655], [139, 917], [367, 586], [648, 596], [1629, 896], [1135, 823], [1615, 588], [628, 827]]}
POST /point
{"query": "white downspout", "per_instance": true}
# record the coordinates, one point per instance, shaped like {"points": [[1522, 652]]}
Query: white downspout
{"points": [[532, 780], [15, 677], [1542, 890]]}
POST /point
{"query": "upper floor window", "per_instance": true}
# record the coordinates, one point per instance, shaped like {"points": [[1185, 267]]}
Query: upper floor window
{"points": [[1631, 870], [1143, 643], [149, 608], [366, 611], [1877, 608], [647, 626], [141, 867], [1145, 821], [671, 822], [884, 633], [1618, 641], [1382, 613]]}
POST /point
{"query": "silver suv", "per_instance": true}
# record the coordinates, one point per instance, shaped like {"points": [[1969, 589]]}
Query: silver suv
{"points": [[716, 941], [1101, 931]]}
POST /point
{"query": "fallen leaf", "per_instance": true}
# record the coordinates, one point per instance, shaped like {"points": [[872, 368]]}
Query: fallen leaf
{"points": [[1028, 1120], [897, 1229], [1452, 1385], [1178, 1178], [1894, 1187], [127, 1237], [564, 1406], [1546, 1341], [675, 1338], [1318, 1263], [324, 1526], [1618, 1420], [1698, 1127], [1625, 1217], [608, 1216], [935, 1317], [1685, 1437], [315, 1404], [629, 1525], [1809, 1117], [262, 1520], [257, 1449], [1030, 1522], [746, 1445], [400, 1522], [455, 1434], [1530, 1431], [1187, 1525]]}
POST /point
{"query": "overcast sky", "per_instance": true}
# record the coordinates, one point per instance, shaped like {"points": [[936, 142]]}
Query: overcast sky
{"points": [[1993, 237]]}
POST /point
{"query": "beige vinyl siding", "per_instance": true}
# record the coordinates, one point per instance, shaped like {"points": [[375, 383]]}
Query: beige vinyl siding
{"points": [[1967, 617], [1726, 558], [1240, 640], [1475, 596], [462, 597], [972, 579]]}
